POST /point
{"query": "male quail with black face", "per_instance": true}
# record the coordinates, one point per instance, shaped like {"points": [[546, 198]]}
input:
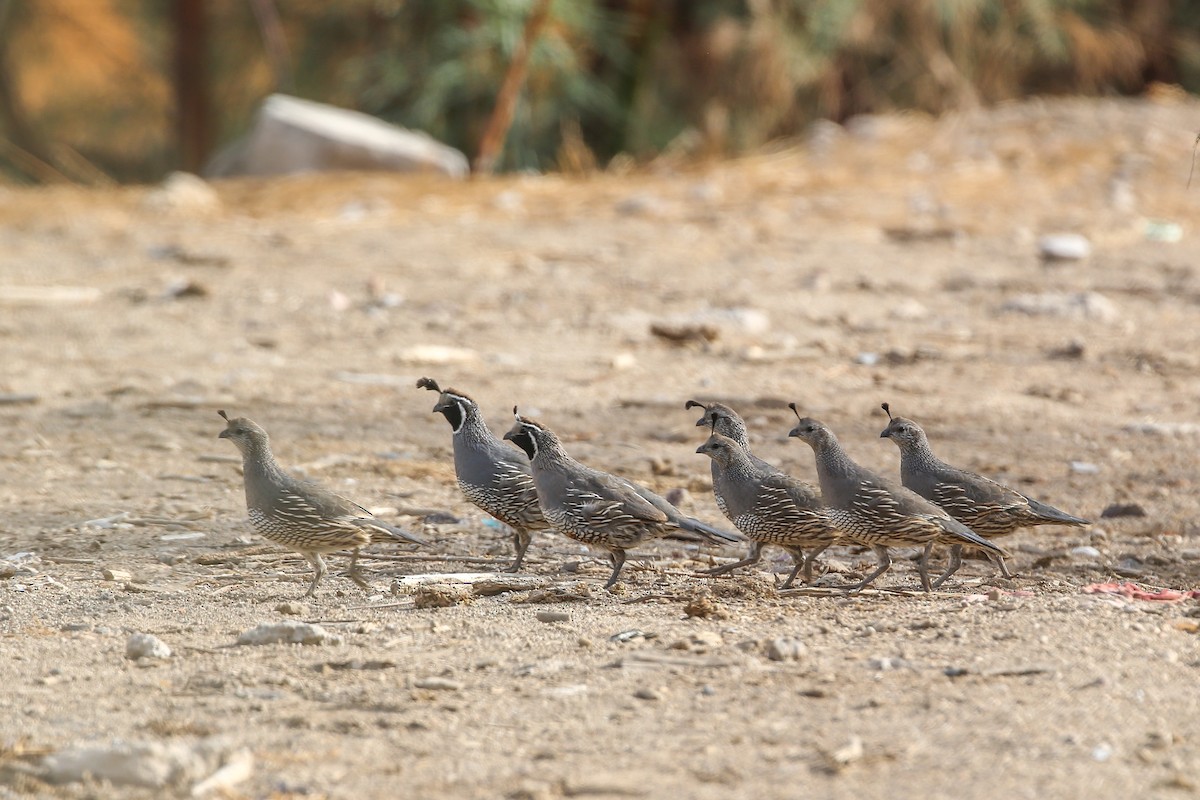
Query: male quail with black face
{"points": [[492, 475]]}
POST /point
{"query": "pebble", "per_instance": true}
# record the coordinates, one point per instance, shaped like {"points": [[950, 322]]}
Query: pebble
{"points": [[1085, 551], [150, 764], [1064, 247], [1084, 468], [1075, 305], [292, 608], [785, 648], [1163, 428], [288, 632], [116, 575], [887, 664], [438, 684], [553, 616], [436, 354], [640, 205], [145, 645], [182, 193], [647, 694], [1122, 510]]}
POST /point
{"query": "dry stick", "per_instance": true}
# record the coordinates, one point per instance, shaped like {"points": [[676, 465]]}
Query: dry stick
{"points": [[506, 99], [275, 42], [1193, 169]]}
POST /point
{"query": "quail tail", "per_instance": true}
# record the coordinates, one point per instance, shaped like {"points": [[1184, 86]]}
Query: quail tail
{"points": [[707, 532], [391, 530], [968, 536], [1052, 514]]}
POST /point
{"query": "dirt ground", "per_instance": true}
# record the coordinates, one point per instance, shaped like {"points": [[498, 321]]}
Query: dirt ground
{"points": [[894, 260]]}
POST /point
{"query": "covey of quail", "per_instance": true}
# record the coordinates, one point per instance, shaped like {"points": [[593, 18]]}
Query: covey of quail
{"points": [[876, 511], [989, 508], [492, 475], [769, 507], [597, 508], [300, 514]]}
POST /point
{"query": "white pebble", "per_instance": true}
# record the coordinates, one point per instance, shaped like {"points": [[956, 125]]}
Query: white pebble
{"points": [[145, 645]]}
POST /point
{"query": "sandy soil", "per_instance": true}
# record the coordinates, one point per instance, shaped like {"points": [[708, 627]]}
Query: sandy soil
{"points": [[885, 263]]}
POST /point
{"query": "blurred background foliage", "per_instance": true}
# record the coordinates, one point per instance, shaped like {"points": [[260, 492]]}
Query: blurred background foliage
{"points": [[89, 90]]}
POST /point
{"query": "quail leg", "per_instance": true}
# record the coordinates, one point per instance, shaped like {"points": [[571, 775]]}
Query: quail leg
{"points": [[319, 570], [952, 567], [521, 540], [923, 567], [752, 558], [808, 562], [618, 561], [885, 563], [354, 574], [800, 561]]}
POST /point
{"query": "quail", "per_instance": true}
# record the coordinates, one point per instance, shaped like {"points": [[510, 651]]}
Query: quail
{"points": [[769, 507], [985, 506], [724, 420], [492, 475], [597, 508], [300, 514], [877, 511]]}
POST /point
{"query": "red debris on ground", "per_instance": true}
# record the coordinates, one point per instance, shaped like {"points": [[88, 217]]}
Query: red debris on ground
{"points": [[1135, 592]]}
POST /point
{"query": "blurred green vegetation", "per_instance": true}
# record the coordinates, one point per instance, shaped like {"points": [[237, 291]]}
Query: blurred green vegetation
{"points": [[90, 84]]}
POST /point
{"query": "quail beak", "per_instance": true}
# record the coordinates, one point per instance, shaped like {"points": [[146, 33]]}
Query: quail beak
{"points": [[795, 432], [223, 434], [440, 407], [885, 434], [701, 449], [700, 423]]}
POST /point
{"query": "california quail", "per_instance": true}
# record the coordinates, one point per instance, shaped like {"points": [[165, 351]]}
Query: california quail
{"points": [[594, 507], [985, 506], [300, 514], [493, 476], [724, 420], [769, 508], [877, 511]]}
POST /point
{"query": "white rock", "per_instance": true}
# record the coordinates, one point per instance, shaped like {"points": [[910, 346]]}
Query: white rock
{"points": [[153, 765], [145, 645], [1078, 305], [1085, 551], [287, 632], [183, 193], [1064, 247], [1164, 428], [1084, 468], [785, 648], [290, 135]]}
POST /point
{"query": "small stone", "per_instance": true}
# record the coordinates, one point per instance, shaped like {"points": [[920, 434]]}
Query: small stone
{"points": [[292, 608], [1064, 247], [622, 361], [288, 632], [1084, 468], [437, 684], [886, 664], [647, 694], [1085, 551], [785, 648], [1077, 305], [1102, 752], [553, 616], [116, 575], [145, 645], [436, 354], [1123, 510], [640, 205], [183, 193]]}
